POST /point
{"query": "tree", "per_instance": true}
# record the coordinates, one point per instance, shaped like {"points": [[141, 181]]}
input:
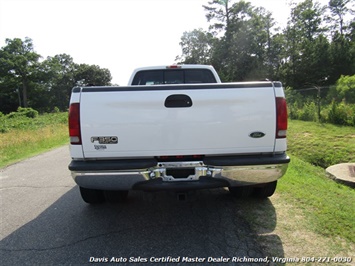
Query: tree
{"points": [[92, 75], [306, 19], [243, 43], [10, 98], [338, 10], [240, 54], [342, 56], [58, 75], [19, 62], [24, 81], [317, 58], [276, 56], [196, 47], [342, 49], [273, 46], [302, 39], [351, 33], [219, 10], [240, 44]]}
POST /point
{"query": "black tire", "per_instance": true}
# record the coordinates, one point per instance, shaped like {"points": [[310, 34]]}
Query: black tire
{"points": [[241, 192], [115, 196], [265, 191], [92, 196]]}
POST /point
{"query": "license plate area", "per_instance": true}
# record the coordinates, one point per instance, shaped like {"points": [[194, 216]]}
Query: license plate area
{"points": [[180, 173]]}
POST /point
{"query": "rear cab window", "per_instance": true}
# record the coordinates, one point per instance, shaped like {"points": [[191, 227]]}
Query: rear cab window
{"points": [[173, 76]]}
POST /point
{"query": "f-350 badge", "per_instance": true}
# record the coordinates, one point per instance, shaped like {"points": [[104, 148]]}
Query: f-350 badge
{"points": [[105, 139]]}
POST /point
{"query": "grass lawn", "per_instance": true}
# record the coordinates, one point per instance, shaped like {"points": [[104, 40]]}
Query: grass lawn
{"points": [[23, 137], [329, 206], [321, 144]]}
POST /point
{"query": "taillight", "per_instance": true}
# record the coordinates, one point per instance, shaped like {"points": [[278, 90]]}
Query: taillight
{"points": [[74, 124], [281, 117]]}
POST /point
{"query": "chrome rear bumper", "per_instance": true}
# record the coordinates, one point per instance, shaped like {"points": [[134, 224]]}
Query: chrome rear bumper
{"points": [[207, 173]]}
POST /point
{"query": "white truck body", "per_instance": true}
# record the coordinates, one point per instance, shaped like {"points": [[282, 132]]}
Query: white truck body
{"points": [[228, 132]]}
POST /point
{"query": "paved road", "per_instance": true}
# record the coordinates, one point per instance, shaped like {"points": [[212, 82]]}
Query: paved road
{"points": [[44, 221]]}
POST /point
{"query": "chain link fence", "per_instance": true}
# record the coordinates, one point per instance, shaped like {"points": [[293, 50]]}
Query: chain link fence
{"points": [[320, 104]]}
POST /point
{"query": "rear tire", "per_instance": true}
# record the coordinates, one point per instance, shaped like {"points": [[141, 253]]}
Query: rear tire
{"points": [[265, 191], [115, 196], [241, 192], [92, 196]]}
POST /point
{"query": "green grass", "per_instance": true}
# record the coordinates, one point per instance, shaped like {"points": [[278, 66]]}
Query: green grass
{"points": [[19, 121], [22, 137], [321, 144], [328, 206]]}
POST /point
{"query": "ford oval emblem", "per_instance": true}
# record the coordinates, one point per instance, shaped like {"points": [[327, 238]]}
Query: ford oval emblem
{"points": [[257, 135]]}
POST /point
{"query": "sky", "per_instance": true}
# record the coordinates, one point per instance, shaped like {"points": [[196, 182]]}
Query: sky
{"points": [[119, 35]]}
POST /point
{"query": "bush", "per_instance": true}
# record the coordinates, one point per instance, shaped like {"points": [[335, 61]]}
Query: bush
{"points": [[55, 110], [308, 112], [334, 113], [337, 103], [346, 88], [342, 114], [19, 120], [26, 112]]}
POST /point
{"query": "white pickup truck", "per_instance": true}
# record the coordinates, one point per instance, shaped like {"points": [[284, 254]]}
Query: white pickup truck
{"points": [[177, 128]]}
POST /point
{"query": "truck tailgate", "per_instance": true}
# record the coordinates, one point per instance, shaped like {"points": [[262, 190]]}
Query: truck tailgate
{"points": [[125, 122]]}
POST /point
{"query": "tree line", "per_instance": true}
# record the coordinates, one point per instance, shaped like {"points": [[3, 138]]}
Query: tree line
{"points": [[244, 43], [25, 81]]}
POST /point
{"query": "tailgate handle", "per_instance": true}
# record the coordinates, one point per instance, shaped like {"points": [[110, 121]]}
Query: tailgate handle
{"points": [[178, 101]]}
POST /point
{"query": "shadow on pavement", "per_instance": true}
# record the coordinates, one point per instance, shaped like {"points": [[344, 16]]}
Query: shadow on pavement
{"points": [[263, 215], [210, 223]]}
